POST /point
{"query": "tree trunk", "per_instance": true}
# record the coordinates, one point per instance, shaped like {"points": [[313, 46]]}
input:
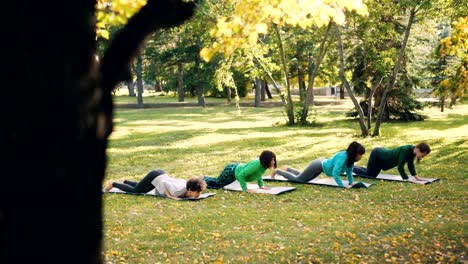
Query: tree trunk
{"points": [[267, 89], [58, 118], [262, 92], [131, 84], [312, 70], [278, 90], [180, 82], [391, 81], [258, 89], [199, 87], [301, 84], [342, 92], [290, 105], [309, 100], [139, 73], [157, 85], [364, 131], [228, 95], [201, 97], [442, 103], [369, 103], [131, 88]]}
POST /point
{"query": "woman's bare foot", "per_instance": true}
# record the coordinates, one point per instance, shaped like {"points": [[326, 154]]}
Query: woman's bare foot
{"points": [[273, 173], [108, 186]]}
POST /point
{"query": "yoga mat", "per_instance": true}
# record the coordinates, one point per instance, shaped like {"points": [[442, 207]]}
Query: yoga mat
{"points": [[152, 192], [235, 186], [319, 181], [391, 177]]}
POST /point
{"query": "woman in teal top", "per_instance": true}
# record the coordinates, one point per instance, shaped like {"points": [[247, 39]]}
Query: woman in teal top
{"points": [[385, 159], [335, 166], [244, 172]]}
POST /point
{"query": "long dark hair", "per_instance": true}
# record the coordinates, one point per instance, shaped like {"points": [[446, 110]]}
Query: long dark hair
{"points": [[265, 158], [353, 149]]}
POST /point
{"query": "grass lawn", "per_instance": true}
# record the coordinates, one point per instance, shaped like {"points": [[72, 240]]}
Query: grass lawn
{"points": [[389, 222]]}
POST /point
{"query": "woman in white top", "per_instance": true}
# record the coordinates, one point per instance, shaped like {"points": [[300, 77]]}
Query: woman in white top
{"points": [[163, 184]]}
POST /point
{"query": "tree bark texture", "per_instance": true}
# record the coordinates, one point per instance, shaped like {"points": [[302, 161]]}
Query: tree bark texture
{"points": [[131, 88], [442, 103], [290, 104], [301, 84], [262, 92], [199, 86], [180, 82], [228, 94], [139, 72], [267, 89], [369, 103], [57, 118], [131, 84], [257, 92], [312, 71]]}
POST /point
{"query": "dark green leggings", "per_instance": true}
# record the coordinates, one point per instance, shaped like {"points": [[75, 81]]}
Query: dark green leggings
{"points": [[226, 177]]}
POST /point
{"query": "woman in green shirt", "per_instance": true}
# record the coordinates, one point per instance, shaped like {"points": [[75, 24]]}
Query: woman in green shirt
{"points": [[384, 159], [244, 172]]}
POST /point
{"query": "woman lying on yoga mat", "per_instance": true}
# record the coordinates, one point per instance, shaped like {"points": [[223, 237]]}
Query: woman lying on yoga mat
{"points": [[384, 159], [335, 166], [163, 184], [244, 172]]}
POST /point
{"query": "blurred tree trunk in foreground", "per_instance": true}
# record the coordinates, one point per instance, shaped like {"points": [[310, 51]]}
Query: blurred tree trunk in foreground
{"points": [[57, 118]]}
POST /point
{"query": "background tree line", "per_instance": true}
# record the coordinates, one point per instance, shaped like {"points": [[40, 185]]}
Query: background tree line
{"points": [[385, 54]]}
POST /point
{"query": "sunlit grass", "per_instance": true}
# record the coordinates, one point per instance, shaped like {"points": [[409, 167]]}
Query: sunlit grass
{"points": [[389, 222]]}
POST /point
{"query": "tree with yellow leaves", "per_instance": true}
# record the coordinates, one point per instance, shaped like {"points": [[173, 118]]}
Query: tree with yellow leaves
{"points": [[114, 13], [455, 85], [254, 18]]}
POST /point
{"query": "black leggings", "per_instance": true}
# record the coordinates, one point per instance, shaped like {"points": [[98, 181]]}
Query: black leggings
{"points": [[142, 186], [373, 166]]}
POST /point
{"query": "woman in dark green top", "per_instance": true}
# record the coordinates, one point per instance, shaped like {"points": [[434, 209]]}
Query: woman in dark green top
{"points": [[384, 159]]}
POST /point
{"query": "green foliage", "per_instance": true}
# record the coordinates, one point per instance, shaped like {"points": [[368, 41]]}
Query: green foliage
{"points": [[379, 39], [389, 222], [311, 117], [401, 104]]}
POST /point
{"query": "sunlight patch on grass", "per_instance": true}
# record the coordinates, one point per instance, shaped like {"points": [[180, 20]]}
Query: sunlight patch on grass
{"points": [[309, 143], [221, 138], [452, 133], [132, 149], [148, 126]]}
